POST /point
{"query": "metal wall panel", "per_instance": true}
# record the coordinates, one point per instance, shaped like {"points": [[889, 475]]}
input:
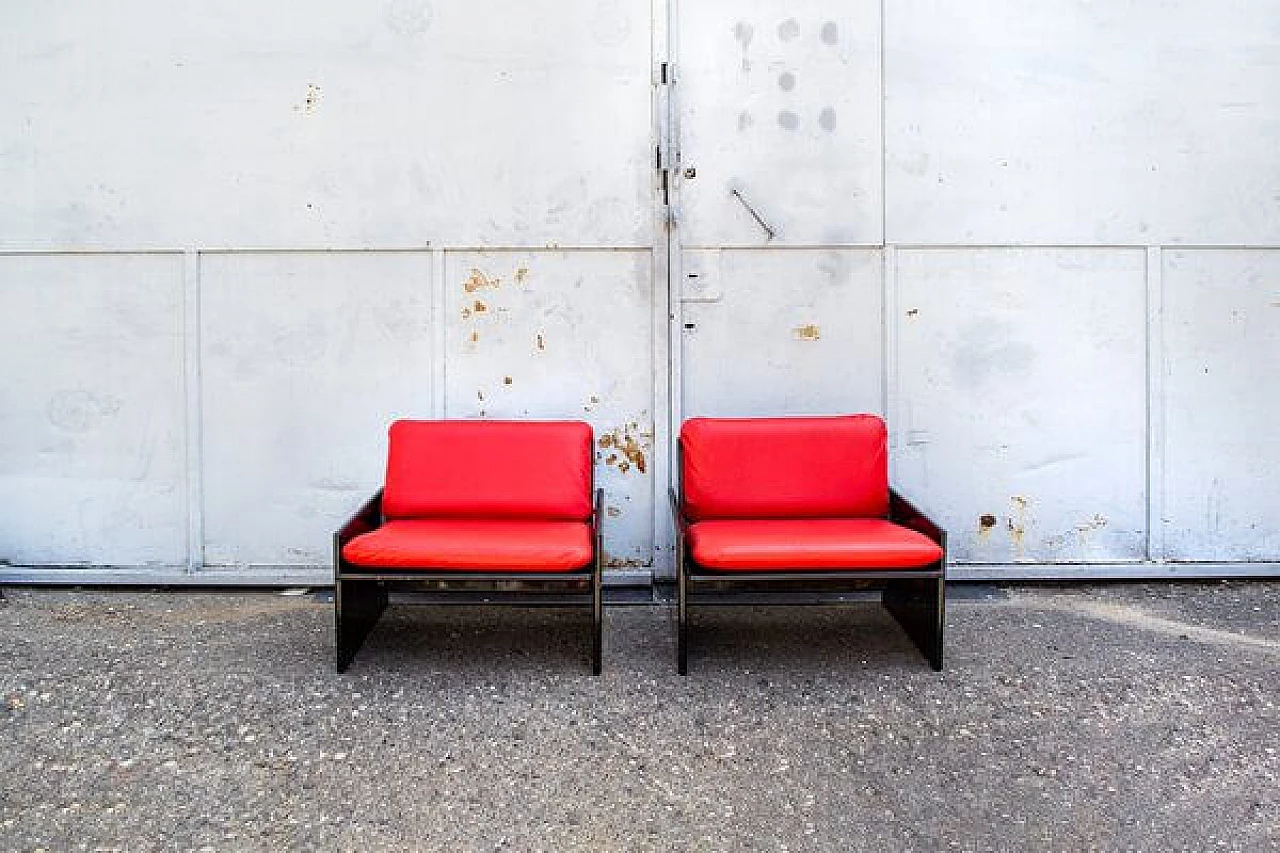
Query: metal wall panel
{"points": [[1222, 414], [1021, 405], [787, 331], [1074, 122], [92, 461], [554, 335], [780, 102], [306, 359], [331, 124], [1031, 384]]}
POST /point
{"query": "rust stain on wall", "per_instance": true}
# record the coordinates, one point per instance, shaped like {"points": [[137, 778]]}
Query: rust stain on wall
{"points": [[478, 280], [521, 275], [506, 380], [807, 332], [541, 342], [479, 307]]}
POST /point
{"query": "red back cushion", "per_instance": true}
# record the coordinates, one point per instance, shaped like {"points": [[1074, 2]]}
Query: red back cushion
{"points": [[489, 469], [785, 467]]}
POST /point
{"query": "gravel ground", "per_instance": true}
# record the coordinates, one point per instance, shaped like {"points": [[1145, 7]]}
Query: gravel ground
{"points": [[1110, 717]]}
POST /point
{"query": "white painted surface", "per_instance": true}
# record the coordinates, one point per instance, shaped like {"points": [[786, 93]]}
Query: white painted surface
{"points": [[92, 456], [1222, 326], [492, 134], [149, 123], [563, 335], [781, 102], [1078, 122], [1021, 397], [786, 330], [306, 359]]}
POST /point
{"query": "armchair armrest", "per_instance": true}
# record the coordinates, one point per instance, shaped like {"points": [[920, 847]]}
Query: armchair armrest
{"points": [[677, 512], [903, 512], [597, 513], [367, 518]]}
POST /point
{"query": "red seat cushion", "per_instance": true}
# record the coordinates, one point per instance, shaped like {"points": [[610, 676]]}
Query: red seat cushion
{"points": [[809, 543], [503, 545], [489, 469], [785, 467]]}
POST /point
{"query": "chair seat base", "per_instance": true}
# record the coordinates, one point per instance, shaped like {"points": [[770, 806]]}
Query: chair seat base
{"points": [[915, 598]]}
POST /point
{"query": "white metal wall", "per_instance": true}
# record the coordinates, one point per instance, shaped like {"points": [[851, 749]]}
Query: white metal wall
{"points": [[1042, 238], [236, 240]]}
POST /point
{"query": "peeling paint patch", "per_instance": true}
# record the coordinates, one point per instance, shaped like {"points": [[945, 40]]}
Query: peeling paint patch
{"points": [[914, 312], [311, 102], [807, 332], [623, 440], [613, 511], [624, 562], [986, 523], [479, 307], [1017, 524], [80, 411], [506, 380], [478, 280], [1083, 530], [522, 275]]}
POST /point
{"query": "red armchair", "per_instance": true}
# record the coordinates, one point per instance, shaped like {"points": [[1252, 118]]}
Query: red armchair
{"points": [[490, 511], [802, 506]]}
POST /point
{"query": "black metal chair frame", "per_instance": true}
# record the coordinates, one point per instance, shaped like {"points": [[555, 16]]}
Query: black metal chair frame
{"points": [[916, 598], [361, 595]]}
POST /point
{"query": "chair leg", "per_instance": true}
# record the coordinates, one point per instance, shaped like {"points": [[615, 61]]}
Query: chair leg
{"points": [[597, 617], [682, 611], [357, 605], [919, 606]]}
